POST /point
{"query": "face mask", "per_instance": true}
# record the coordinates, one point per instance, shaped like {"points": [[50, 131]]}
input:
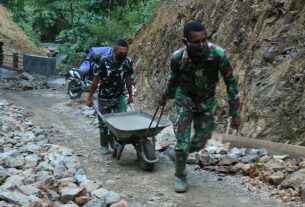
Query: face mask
{"points": [[121, 57], [197, 51]]}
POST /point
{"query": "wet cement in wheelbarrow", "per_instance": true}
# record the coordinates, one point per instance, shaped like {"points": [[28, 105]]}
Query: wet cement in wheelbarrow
{"points": [[129, 123]]}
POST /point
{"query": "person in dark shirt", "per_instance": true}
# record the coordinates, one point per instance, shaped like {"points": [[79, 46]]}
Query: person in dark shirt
{"points": [[112, 74]]}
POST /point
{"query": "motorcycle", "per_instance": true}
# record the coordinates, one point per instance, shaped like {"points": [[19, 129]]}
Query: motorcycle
{"points": [[79, 81]]}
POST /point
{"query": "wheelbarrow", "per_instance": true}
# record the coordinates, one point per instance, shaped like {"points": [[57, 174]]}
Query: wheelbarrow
{"points": [[137, 128]]}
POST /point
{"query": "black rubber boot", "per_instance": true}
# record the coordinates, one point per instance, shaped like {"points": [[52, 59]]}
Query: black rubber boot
{"points": [[104, 140], [180, 175]]}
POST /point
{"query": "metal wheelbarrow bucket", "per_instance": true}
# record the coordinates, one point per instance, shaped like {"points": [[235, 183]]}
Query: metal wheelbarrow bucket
{"points": [[133, 125], [137, 128]]}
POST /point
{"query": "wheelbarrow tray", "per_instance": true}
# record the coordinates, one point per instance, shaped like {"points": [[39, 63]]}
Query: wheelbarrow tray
{"points": [[128, 126]]}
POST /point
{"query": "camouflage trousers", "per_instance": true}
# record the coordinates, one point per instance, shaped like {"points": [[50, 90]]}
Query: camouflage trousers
{"points": [[107, 106], [203, 122]]}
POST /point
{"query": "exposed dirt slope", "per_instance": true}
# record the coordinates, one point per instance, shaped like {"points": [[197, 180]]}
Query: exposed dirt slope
{"points": [[265, 40], [13, 37]]}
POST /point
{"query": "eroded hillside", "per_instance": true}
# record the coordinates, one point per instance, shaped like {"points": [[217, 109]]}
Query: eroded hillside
{"points": [[13, 36], [265, 40]]}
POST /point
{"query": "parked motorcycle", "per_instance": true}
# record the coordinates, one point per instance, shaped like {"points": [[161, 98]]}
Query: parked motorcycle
{"points": [[80, 80]]}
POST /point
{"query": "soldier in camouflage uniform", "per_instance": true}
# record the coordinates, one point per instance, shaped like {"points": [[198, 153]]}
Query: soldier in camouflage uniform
{"points": [[192, 82], [113, 73]]}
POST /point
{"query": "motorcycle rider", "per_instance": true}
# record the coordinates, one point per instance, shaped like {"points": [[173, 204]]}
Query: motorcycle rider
{"points": [[113, 73]]}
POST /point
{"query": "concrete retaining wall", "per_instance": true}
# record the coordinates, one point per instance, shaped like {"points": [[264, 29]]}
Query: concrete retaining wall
{"points": [[39, 65]]}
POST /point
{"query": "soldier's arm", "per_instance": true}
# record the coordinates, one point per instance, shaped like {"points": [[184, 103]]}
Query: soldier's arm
{"points": [[129, 85], [232, 87], [92, 90], [172, 79], [129, 81], [98, 71]]}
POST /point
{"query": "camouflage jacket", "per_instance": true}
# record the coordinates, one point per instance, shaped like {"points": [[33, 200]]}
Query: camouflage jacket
{"points": [[197, 82], [113, 77]]}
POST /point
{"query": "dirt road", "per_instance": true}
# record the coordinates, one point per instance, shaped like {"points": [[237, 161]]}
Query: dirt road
{"points": [[53, 110]]}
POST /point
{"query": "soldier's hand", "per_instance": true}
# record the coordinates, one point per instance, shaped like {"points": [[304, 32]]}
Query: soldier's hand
{"points": [[162, 100], [89, 102], [236, 121], [129, 100]]}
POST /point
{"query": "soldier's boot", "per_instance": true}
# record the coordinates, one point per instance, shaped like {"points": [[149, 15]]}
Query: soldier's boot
{"points": [[105, 150], [180, 175], [104, 140], [180, 184]]}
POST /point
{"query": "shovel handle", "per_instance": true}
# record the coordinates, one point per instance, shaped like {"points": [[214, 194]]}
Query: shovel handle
{"points": [[229, 125]]}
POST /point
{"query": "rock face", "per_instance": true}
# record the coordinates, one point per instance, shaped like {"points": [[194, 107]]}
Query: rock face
{"points": [[10, 32], [265, 41], [36, 173]]}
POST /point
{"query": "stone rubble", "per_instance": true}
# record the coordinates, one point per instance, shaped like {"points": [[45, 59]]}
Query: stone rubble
{"points": [[13, 80], [34, 172], [256, 167]]}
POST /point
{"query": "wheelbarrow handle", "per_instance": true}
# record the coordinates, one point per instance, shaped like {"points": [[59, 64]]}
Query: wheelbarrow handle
{"points": [[162, 110], [98, 112], [154, 116]]}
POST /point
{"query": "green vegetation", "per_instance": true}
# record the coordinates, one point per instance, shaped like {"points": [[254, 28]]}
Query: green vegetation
{"points": [[77, 24]]}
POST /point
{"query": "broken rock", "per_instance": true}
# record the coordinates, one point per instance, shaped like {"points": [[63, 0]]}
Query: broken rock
{"points": [[276, 178], [274, 165], [70, 193], [294, 180]]}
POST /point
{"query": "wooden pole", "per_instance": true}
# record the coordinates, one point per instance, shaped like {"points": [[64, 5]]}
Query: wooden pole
{"points": [[272, 147]]}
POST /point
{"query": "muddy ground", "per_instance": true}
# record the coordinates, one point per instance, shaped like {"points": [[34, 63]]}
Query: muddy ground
{"points": [[67, 125]]}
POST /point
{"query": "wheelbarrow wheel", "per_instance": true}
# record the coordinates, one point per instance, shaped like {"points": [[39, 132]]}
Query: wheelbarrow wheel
{"points": [[115, 153], [150, 153]]}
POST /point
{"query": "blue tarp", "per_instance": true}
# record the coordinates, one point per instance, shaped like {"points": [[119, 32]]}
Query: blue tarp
{"points": [[104, 51]]}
